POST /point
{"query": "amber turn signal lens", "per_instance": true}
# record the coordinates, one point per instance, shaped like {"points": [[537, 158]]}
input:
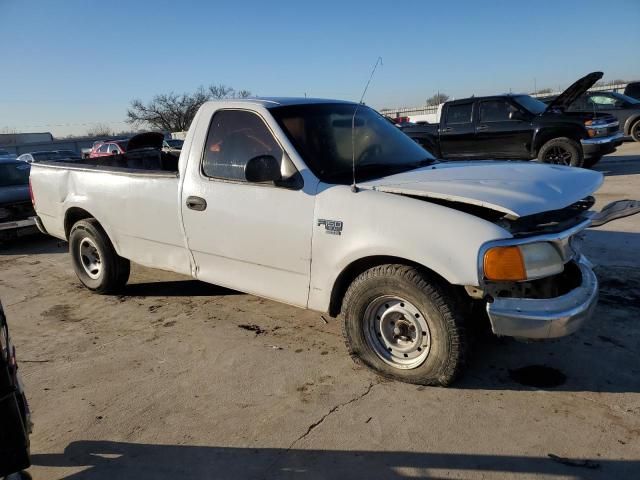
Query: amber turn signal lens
{"points": [[504, 263]]}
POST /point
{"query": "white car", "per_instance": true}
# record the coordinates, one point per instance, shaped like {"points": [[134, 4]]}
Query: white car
{"points": [[326, 205]]}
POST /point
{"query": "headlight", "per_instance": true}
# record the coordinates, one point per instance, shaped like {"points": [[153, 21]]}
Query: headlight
{"points": [[598, 128], [522, 262]]}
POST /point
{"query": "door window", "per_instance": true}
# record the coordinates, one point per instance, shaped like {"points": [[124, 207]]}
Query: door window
{"points": [[113, 148], [235, 137], [459, 113], [103, 148], [496, 111], [605, 102]]}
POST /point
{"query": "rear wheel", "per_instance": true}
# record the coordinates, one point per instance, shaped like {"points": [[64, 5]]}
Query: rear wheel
{"points": [[635, 131], [95, 261], [404, 325], [561, 151]]}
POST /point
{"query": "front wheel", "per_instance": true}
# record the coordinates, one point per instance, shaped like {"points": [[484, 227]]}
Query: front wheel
{"points": [[635, 131], [404, 326], [561, 151], [95, 261]]}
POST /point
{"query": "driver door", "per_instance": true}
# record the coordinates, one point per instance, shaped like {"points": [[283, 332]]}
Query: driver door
{"points": [[253, 237]]}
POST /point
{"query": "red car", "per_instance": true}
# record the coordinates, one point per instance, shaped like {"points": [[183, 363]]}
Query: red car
{"points": [[110, 147]]}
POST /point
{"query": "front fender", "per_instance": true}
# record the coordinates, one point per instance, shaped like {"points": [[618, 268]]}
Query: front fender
{"points": [[375, 223]]}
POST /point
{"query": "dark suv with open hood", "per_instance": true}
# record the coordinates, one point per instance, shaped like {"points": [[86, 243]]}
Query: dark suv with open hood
{"points": [[520, 127]]}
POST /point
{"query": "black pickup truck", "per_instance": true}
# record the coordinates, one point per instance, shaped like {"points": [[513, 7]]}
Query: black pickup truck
{"points": [[520, 127]]}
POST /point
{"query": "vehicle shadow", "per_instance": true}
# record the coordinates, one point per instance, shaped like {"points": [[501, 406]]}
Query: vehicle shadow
{"points": [[35, 244], [102, 460], [619, 165], [176, 288]]}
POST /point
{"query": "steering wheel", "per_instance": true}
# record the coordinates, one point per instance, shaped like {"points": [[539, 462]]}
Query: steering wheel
{"points": [[370, 151]]}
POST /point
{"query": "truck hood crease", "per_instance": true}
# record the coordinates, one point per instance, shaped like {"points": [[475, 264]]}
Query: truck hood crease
{"points": [[517, 189]]}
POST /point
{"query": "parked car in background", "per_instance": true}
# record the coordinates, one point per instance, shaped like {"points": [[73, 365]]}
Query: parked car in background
{"points": [[172, 145], [16, 209], [520, 127], [15, 417], [633, 90], [625, 108], [111, 147], [326, 205], [50, 156]]}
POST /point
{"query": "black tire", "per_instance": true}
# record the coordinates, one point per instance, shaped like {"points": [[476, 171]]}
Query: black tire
{"points": [[446, 354], [634, 131], [561, 151], [109, 272], [591, 161]]}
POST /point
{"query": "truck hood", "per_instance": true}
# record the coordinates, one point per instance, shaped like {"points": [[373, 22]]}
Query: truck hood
{"points": [[572, 93], [14, 194], [517, 189]]}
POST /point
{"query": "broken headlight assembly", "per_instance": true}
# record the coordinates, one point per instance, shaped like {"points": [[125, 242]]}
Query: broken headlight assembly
{"points": [[517, 263]]}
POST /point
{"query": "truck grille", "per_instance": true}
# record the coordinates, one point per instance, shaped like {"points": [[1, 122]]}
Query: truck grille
{"points": [[552, 221]]}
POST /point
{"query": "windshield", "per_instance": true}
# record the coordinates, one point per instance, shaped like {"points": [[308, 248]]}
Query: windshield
{"points": [[322, 135], [534, 105], [14, 174]]}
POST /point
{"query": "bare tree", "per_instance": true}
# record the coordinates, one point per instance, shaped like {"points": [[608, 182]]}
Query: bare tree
{"points": [[100, 130], [545, 90], [437, 99], [172, 112]]}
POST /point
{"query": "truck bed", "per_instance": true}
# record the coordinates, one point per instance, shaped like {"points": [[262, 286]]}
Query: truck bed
{"points": [[135, 195]]}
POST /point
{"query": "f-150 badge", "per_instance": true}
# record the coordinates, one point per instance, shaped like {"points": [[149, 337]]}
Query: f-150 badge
{"points": [[332, 227]]}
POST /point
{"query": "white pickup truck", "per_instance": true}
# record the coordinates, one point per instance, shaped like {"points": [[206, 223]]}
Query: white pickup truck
{"points": [[263, 200]]}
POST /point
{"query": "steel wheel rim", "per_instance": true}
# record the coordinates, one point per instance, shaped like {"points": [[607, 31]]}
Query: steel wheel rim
{"points": [[397, 332], [558, 155], [90, 258]]}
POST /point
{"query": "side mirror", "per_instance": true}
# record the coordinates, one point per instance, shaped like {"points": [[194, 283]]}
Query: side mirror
{"points": [[517, 115], [263, 168]]}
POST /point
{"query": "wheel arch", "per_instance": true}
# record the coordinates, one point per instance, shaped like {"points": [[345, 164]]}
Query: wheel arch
{"points": [[544, 135], [72, 216], [357, 267], [629, 122]]}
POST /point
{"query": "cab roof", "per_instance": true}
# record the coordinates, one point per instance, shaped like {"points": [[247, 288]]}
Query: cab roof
{"points": [[272, 102]]}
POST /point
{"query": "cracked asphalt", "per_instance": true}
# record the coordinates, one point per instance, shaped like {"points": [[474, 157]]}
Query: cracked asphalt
{"points": [[166, 381]]}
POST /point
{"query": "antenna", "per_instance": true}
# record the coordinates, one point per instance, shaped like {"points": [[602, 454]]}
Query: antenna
{"points": [[354, 187]]}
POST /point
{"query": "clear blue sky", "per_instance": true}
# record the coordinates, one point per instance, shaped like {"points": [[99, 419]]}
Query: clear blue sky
{"points": [[79, 61]]}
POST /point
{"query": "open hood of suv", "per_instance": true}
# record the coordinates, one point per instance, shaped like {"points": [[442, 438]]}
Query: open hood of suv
{"points": [[517, 189], [576, 89]]}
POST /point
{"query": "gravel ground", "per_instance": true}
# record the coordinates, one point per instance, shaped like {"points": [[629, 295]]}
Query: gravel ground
{"points": [[180, 379]]}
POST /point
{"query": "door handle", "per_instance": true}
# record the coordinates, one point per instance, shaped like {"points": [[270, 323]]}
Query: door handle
{"points": [[482, 127], [447, 129], [196, 203]]}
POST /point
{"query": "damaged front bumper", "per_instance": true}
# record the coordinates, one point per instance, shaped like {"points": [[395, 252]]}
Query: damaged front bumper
{"points": [[546, 317]]}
